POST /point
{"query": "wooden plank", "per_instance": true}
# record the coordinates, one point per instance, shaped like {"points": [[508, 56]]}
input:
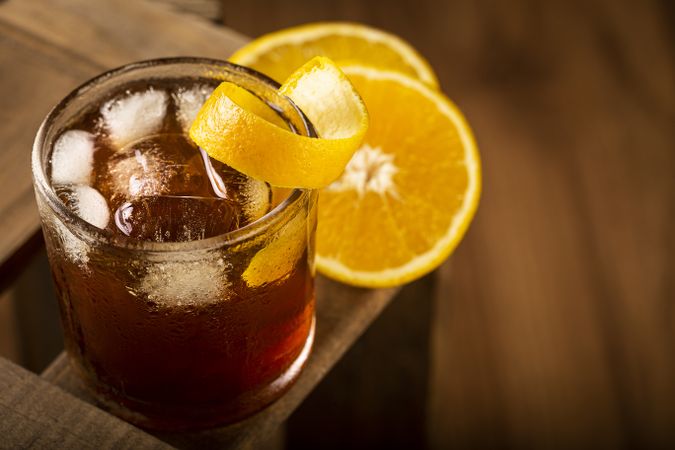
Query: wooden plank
{"points": [[36, 414], [27, 97], [206, 9], [343, 313], [557, 334], [554, 320], [53, 46], [109, 33], [574, 347]]}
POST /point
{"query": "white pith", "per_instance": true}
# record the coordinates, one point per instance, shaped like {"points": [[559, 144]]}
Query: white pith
{"points": [[369, 170]]}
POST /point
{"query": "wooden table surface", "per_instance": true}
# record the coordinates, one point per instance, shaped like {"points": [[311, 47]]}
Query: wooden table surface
{"points": [[554, 322]]}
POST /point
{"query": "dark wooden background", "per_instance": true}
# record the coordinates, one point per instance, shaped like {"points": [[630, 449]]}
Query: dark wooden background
{"points": [[552, 326], [553, 322]]}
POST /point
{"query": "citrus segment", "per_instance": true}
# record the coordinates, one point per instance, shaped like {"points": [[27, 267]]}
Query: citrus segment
{"points": [[407, 196], [278, 54], [234, 134]]}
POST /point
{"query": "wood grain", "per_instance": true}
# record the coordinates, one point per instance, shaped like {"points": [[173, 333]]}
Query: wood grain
{"points": [[36, 414], [554, 320], [343, 314]]}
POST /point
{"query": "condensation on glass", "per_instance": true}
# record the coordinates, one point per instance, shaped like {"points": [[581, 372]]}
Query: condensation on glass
{"points": [[172, 326]]}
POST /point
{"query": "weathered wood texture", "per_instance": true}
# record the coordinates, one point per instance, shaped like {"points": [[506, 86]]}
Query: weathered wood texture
{"points": [[206, 9], [343, 313], [36, 414], [554, 328]]}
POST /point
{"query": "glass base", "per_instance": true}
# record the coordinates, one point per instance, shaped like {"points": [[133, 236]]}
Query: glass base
{"points": [[168, 418]]}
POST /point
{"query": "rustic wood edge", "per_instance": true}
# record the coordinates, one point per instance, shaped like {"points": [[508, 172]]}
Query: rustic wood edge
{"points": [[36, 414]]}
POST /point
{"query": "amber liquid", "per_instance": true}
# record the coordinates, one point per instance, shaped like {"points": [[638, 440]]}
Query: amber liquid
{"points": [[184, 367], [204, 359]]}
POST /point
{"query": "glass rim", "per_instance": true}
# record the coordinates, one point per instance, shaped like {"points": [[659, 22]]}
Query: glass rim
{"points": [[106, 238]]}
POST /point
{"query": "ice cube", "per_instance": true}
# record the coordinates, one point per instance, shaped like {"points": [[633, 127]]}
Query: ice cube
{"points": [[176, 219], [86, 202], [73, 158], [178, 282], [134, 116], [161, 164], [189, 101], [254, 197]]}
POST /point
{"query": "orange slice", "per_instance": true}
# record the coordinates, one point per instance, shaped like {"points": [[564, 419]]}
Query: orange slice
{"points": [[408, 194], [278, 54]]}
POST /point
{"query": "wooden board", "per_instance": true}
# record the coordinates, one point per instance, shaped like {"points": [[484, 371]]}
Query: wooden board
{"points": [[36, 414], [553, 325]]}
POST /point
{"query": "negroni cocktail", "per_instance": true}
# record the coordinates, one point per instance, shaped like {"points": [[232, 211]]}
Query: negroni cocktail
{"points": [[186, 288]]}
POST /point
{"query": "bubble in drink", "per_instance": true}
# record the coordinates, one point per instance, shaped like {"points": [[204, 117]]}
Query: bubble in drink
{"points": [[73, 158], [86, 202], [188, 102], [134, 116], [176, 219]]}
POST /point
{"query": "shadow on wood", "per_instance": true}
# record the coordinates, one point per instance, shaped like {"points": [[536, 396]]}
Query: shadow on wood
{"points": [[376, 396]]}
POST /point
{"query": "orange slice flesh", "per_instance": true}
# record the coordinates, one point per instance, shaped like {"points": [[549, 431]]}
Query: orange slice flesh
{"points": [[409, 193]]}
